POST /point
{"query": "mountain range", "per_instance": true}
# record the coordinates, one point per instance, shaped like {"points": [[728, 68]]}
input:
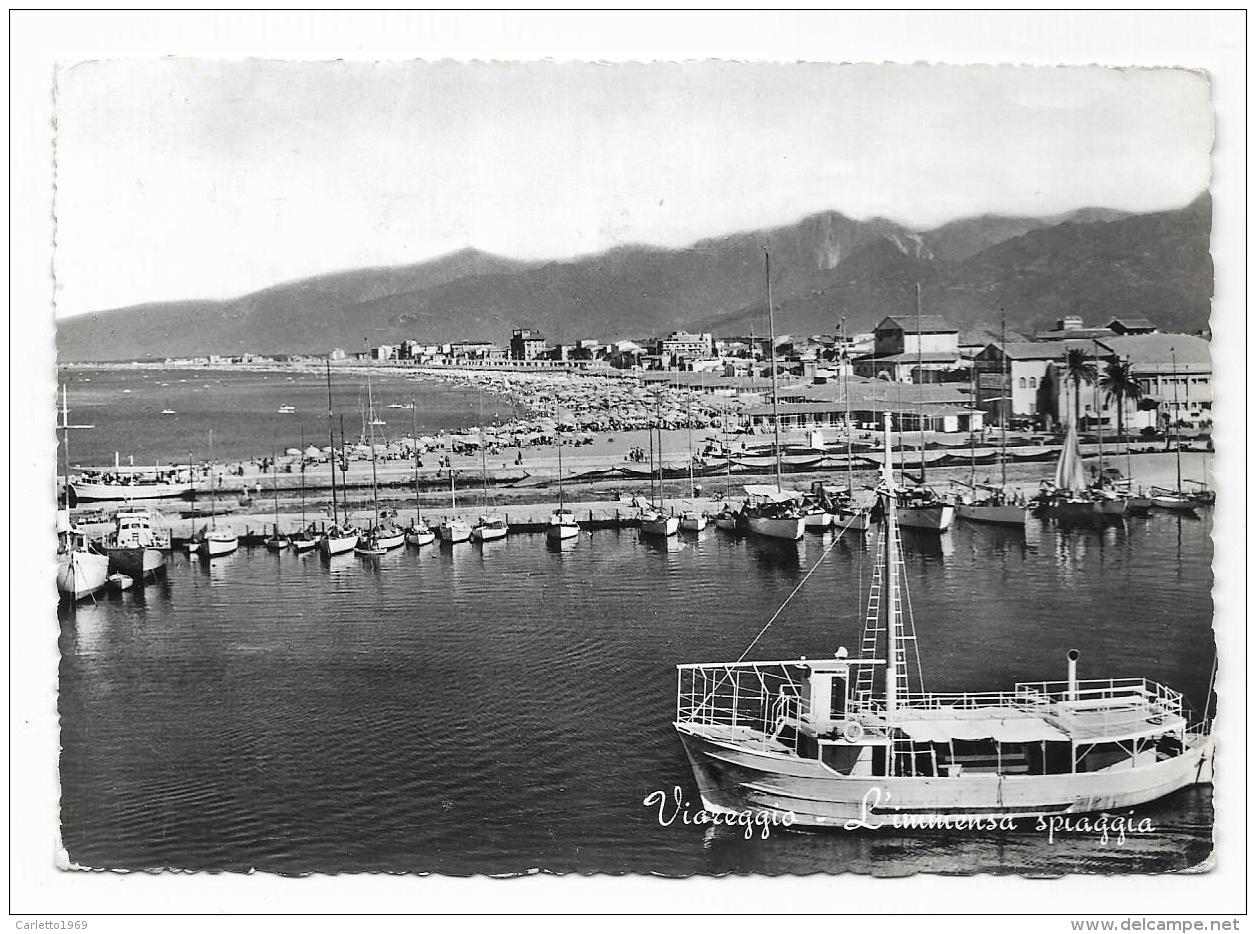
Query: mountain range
{"points": [[1094, 262]]}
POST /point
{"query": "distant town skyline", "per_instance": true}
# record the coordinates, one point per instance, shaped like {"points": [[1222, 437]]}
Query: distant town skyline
{"points": [[179, 179]]}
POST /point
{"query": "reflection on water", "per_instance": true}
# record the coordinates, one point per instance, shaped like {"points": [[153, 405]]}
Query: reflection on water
{"points": [[470, 708]]}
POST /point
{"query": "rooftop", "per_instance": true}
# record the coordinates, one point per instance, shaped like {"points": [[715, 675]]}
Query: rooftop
{"points": [[928, 324], [1161, 349]]}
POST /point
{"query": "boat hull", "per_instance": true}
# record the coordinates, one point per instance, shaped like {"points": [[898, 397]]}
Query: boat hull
{"points": [[453, 534], [488, 533], [664, 526], [926, 518], [853, 521], [301, 545], [1074, 512], [803, 792], [81, 574], [818, 521], [693, 523], [137, 563], [1173, 503], [1138, 506], [558, 533], [419, 538], [87, 492], [789, 529], [992, 515], [337, 545], [1111, 507], [727, 523], [213, 547]]}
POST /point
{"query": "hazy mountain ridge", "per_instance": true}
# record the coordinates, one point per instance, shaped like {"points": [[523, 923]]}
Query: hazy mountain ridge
{"points": [[1095, 262]]}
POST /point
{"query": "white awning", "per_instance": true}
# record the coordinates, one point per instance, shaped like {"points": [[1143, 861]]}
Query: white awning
{"points": [[1001, 729]]}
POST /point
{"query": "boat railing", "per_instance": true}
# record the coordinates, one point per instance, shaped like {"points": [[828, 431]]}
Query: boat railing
{"points": [[743, 701]]}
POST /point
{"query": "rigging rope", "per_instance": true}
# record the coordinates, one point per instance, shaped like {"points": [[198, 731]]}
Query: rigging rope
{"points": [[837, 538]]}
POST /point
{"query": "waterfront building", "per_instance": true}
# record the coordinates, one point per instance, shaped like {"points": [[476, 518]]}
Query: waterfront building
{"points": [[1161, 363], [526, 344], [912, 348]]}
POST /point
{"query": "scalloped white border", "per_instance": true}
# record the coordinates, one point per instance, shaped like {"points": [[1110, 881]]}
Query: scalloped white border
{"points": [[1213, 41]]}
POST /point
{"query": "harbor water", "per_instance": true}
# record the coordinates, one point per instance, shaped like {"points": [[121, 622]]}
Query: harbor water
{"points": [[505, 708]]}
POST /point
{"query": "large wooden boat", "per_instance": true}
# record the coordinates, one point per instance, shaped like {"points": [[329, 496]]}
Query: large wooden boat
{"points": [[855, 743], [137, 548]]}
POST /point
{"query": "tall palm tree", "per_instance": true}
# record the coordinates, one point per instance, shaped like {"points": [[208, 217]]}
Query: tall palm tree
{"points": [[1078, 368], [1118, 384]]}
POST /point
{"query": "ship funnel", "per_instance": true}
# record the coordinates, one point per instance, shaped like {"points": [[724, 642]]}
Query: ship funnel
{"points": [[1073, 656]]}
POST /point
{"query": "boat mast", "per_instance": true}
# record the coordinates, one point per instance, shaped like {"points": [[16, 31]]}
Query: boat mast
{"points": [[65, 437], [331, 449], [1005, 402], [920, 378], [776, 417], [1098, 411], [850, 445], [972, 439], [1177, 421], [893, 610], [274, 482], [650, 441], [371, 437], [483, 454], [559, 442], [689, 420], [414, 433], [303, 477], [213, 488]]}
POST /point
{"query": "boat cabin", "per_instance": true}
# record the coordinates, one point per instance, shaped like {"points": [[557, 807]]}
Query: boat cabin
{"points": [[814, 710]]}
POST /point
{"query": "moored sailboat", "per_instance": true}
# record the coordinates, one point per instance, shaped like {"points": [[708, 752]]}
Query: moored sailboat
{"points": [[340, 538], [773, 514], [215, 542], [857, 743], [654, 521], [562, 521]]}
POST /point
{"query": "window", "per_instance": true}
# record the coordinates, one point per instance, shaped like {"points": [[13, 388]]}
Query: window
{"points": [[1022, 382], [1033, 382]]}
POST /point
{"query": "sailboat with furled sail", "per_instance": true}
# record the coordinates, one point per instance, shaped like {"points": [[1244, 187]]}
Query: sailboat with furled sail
{"points": [[562, 521], [773, 513], [418, 534], [857, 743], [654, 521], [382, 536], [305, 540], [81, 569], [488, 527], [341, 538], [215, 542]]}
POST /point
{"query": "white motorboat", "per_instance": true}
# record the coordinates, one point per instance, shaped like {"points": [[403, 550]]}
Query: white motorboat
{"points": [[137, 547], [338, 540], [119, 582], [81, 569], [489, 528], [691, 520], [214, 541], [773, 512], [655, 522], [562, 525], [418, 534], [454, 530], [856, 743], [562, 522]]}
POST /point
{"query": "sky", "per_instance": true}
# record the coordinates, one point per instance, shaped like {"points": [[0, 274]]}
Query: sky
{"points": [[181, 179]]}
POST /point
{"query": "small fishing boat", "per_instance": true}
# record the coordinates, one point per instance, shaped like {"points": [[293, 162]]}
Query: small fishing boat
{"points": [[215, 542], [454, 530], [418, 534], [857, 743], [81, 569], [816, 517], [338, 540], [657, 523], [923, 509], [562, 521], [489, 528], [769, 511], [307, 538], [726, 519], [169, 412], [562, 525], [276, 541], [137, 547], [1172, 500], [286, 410], [691, 520], [119, 582]]}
